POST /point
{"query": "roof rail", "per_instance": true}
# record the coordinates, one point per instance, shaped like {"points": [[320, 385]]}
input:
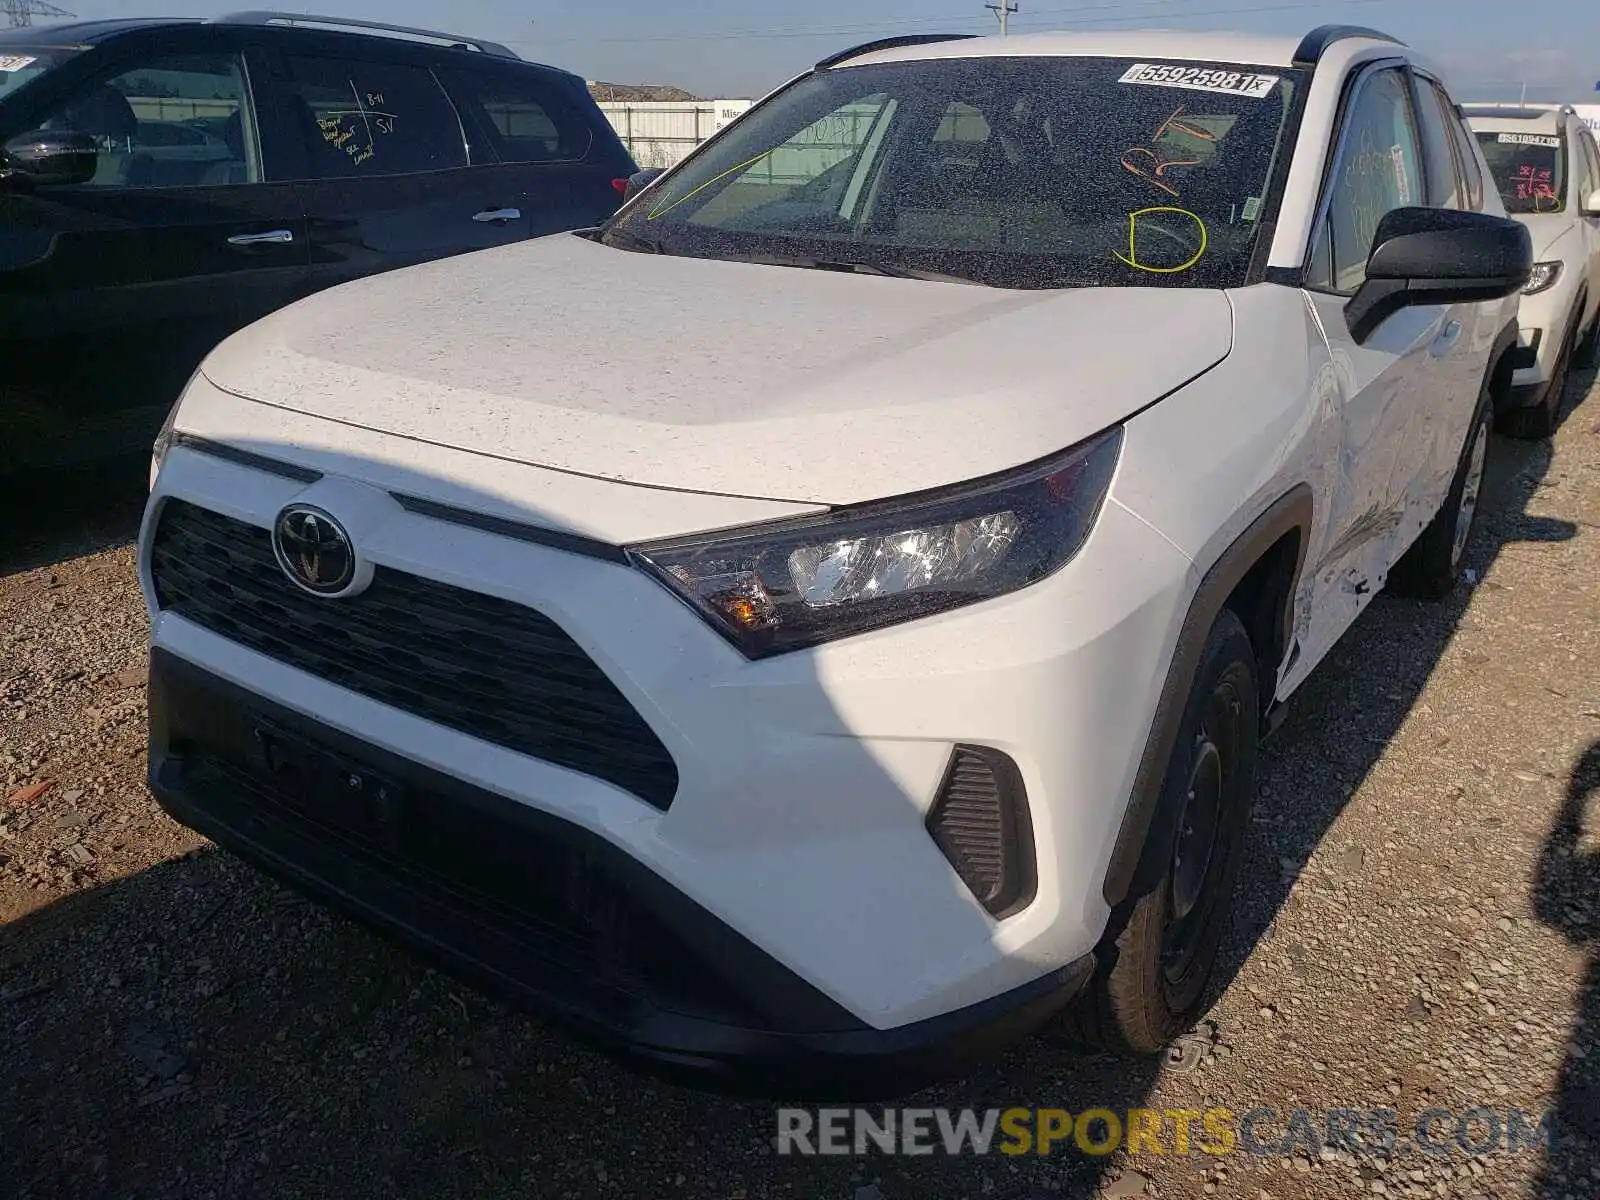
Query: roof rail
{"points": [[312, 21], [890, 43], [1316, 43], [1490, 108]]}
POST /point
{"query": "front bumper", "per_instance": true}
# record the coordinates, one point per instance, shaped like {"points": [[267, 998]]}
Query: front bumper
{"points": [[536, 908], [1544, 322], [805, 782]]}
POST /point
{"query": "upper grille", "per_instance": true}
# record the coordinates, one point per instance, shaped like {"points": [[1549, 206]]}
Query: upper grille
{"points": [[485, 666]]}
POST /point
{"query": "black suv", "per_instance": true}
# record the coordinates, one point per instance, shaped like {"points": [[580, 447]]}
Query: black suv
{"points": [[165, 182]]}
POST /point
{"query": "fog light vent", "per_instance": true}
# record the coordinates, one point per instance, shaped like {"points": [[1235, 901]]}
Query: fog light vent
{"points": [[980, 821]]}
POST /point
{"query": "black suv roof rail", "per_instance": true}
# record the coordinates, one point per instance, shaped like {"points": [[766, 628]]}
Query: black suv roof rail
{"points": [[1316, 43], [890, 43], [314, 21]]}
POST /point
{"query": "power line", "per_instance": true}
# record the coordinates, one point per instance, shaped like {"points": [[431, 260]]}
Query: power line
{"points": [[20, 13], [941, 23], [1003, 9], [898, 25]]}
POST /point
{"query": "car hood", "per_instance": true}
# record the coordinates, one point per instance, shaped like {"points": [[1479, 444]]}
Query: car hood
{"points": [[1545, 230], [720, 377]]}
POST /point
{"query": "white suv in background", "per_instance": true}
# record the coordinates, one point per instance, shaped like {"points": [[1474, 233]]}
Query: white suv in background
{"points": [[1546, 165], [817, 626]]}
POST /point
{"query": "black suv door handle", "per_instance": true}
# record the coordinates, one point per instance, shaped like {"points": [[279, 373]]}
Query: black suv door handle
{"points": [[275, 237], [498, 214]]}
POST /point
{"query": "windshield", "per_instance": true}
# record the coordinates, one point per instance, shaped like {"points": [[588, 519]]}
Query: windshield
{"points": [[1037, 172], [1530, 169], [23, 64]]}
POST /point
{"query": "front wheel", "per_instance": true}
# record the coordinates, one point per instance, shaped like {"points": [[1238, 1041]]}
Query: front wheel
{"points": [[1151, 985], [1429, 569]]}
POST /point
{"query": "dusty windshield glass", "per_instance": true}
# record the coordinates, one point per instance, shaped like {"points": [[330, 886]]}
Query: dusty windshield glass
{"points": [[1029, 172], [1530, 169], [23, 64]]}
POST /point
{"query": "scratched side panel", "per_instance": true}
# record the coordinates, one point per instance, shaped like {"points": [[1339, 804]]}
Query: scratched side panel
{"points": [[1203, 464]]}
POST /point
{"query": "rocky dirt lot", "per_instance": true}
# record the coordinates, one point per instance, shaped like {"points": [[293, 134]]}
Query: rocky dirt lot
{"points": [[1419, 929]]}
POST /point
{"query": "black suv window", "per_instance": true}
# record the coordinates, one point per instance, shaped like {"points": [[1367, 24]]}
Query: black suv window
{"points": [[180, 121], [524, 115], [359, 118]]}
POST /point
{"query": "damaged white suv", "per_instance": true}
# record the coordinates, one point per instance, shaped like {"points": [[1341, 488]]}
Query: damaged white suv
{"points": [[816, 627]]}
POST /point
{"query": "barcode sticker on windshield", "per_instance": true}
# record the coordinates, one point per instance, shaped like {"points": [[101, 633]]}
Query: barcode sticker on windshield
{"points": [[1202, 79], [15, 62], [1527, 139]]}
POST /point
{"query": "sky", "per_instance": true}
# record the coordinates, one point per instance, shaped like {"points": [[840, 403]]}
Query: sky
{"points": [[732, 48]]}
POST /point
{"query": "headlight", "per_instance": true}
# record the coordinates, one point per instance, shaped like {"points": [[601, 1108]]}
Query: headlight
{"points": [[163, 442], [1543, 278], [791, 584]]}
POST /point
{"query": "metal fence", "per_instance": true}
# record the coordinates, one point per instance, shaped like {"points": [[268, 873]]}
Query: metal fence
{"points": [[663, 133]]}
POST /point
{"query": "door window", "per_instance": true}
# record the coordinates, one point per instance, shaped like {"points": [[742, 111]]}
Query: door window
{"points": [[1471, 171], [1379, 170], [182, 121], [358, 118], [1444, 168], [1591, 153], [525, 117]]}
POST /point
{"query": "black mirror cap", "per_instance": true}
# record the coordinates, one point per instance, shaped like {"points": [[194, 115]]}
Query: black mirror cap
{"points": [[1439, 256], [1439, 244], [53, 157], [640, 180]]}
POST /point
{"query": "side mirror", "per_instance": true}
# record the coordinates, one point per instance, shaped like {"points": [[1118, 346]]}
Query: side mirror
{"points": [[1423, 256], [640, 180], [52, 157], [1591, 206]]}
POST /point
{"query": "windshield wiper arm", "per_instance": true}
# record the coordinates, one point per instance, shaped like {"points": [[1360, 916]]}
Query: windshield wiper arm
{"points": [[623, 239], [890, 272], [849, 265]]}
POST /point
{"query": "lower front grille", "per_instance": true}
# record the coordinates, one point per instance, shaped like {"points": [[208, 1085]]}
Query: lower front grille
{"points": [[980, 821], [484, 666]]}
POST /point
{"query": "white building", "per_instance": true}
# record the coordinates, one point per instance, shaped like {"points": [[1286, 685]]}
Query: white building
{"points": [[660, 133]]}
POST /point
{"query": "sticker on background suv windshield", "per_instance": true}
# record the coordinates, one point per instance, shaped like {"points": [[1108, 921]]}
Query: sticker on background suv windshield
{"points": [[1202, 79], [1528, 139], [15, 62]]}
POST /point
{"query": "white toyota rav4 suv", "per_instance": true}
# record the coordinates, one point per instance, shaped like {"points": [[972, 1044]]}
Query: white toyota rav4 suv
{"points": [[814, 628], [1546, 166]]}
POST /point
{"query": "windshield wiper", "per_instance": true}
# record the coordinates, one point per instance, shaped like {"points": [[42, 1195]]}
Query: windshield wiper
{"points": [[848, 265], [891, 272], [623, 239]]}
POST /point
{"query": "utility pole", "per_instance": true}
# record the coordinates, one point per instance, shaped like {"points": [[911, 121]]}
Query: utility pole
{"points": [[22, 12], [1002, 10]]}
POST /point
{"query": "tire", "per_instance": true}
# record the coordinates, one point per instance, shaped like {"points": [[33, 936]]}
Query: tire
{"points": [[1539, 421], [1152, 981], [1428, 570], [1587, 354]]}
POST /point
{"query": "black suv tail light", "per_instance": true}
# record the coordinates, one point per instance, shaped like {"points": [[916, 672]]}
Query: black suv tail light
{"points": [[980, 820]]}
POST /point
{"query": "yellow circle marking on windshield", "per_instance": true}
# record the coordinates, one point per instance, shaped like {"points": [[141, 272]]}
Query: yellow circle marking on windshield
{"points": [[1132, 259], [661, 212]]}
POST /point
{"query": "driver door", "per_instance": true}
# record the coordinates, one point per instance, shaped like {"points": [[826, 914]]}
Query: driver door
{"points": [[1382, 381]]}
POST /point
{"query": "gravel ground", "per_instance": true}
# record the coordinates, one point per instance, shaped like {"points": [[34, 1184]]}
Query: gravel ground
{"points": [[1419, 928]]}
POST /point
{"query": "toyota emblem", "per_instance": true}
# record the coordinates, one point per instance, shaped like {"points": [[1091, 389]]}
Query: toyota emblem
{"points": [[314, 550]]}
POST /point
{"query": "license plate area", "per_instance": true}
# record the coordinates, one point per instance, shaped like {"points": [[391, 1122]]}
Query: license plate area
{"points": [[331, 788]]}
